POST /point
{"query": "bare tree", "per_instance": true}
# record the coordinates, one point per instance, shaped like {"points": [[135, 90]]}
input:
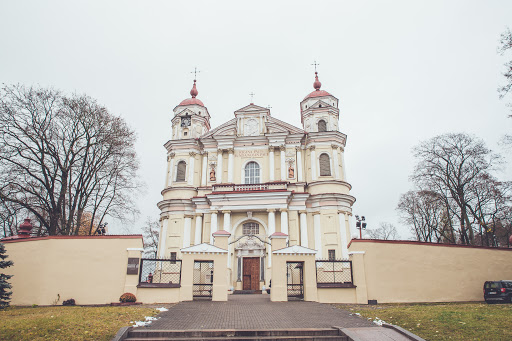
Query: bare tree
{"points": [[386, 231], [64, 156], [151, 233], [504, 47], [449, 165]]}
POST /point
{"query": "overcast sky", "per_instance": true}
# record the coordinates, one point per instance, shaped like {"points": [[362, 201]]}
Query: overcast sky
{"points": [[404, 71]]}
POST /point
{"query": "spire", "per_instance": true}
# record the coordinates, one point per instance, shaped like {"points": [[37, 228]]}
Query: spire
{"points": [[317, 83], [194, 91]]}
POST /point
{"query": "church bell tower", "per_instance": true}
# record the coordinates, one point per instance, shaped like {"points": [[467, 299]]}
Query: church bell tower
{"points": [[191, 118]]}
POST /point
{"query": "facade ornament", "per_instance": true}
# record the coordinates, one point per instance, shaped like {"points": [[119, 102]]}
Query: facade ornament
{"points": [[270, 148], [282, 147], [334, 146], [172, 155], [249, 214], [212, 172], [212, 156], [193, 154], [290, 153], [231, 150], [291, 169], [220, 151], [311, 147]]}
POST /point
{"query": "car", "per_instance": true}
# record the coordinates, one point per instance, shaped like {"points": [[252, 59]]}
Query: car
{"points": [[498, 291]]}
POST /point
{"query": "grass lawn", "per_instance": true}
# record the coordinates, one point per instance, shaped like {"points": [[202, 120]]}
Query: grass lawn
{"points": [[448, 321], [68, 323]]}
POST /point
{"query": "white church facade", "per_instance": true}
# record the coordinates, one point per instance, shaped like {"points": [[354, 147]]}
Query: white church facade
{"points": [[254, 177]]}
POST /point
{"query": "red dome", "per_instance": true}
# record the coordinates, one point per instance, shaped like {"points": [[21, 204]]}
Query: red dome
{"points": [[318, 93], [190, 101]]}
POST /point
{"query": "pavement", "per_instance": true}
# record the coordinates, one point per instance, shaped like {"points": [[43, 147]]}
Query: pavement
{"points": [[257, 312]]}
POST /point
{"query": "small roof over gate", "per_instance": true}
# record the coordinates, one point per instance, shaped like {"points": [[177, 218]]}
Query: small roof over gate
{"points": [[295, 250], [203, 248]]}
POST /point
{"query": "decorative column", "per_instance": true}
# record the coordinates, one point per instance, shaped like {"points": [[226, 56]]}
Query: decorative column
{"points": [[300, 176], [186, 230], [199, 228], [171, 169], [231, 164], [335, 165], [303, 228], [282, 148], [227, 220], [204, 172], [343, 164], [219, 167], [343, 234], [271, 162], [213, 225], [313, 163], [318, 234], [239, 268], [191, 163], [284, 220], [271, 221], [163, 237]]}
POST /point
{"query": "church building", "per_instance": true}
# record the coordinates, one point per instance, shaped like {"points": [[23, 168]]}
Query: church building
{"points": [[254, 177]]}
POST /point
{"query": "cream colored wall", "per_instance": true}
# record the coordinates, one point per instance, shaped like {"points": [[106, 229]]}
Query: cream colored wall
{"points": [[337, 295], [158, 295], [90, 270], [220, 278], [278, 291], [402, 272]]}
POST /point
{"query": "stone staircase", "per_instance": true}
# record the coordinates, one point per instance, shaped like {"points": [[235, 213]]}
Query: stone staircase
{"points": [[231, 335]]}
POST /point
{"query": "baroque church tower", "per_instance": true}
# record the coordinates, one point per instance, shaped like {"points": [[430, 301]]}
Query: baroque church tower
{"points": [[254, 177]]}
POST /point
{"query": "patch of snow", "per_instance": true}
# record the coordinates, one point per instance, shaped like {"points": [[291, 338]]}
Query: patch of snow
{"points": [[378, 321], [147, 322], [162, 309]]}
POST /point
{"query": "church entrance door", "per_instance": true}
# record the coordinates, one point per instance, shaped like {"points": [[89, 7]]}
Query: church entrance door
{"points": [[251, 270]]}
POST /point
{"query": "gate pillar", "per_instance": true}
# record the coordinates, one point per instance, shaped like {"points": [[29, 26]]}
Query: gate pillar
{"points": [[204, 252]]}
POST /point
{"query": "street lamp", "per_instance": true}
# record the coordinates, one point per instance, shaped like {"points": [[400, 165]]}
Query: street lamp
{"points": [[361, 225]]}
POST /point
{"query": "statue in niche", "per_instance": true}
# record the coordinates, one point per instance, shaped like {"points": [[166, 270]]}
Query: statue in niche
{"points": [[212, 174], [291, 171]]}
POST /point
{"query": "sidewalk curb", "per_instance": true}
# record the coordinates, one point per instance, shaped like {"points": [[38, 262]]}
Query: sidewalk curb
{"points": [[121, 334], [403, 332]]}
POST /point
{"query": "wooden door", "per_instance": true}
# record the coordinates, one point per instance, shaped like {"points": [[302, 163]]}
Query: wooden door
{"points": [[251, 271]]}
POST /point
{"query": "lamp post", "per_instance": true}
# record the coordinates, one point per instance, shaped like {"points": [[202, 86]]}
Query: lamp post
{"points": [[361, 225]]}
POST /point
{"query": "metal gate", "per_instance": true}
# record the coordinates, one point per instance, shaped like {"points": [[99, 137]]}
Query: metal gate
{"points": [[203, 278], [295, 275]]}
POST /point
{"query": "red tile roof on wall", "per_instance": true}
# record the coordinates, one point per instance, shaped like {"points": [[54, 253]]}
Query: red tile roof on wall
{"points": [[413, 242], [15, 239]]}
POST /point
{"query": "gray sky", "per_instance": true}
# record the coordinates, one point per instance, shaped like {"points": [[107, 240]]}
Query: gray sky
{"points": [[404, 71]]}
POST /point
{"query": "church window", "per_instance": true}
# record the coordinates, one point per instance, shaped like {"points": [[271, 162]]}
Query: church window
{"points": [[251, 229], [185, 133], [322, 126], [252, 173], [325, 165], [332, 254], [181, 171]]}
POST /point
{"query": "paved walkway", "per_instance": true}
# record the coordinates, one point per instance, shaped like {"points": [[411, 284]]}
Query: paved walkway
{"points": [[255, 312]]}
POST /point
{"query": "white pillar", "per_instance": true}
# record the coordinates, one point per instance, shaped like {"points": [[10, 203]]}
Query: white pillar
{"points": [[284, 220], [219, 168], [335, 165], [271, 163], [191, 163], [313, 163], [204, 172], [343, 235], [283, 165], [229, 256], [271, 221], [171, 169], [318, 234], [163, 238], [303, 229], [186, 231], [227, 220], [300, 176], [213, 225], [343, 164], [231, 165], [199, 229]]}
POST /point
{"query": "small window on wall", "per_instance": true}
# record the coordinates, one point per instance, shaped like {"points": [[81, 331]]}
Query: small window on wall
{"points": [[332, 254], [181, 171], [252, 173], [251, 229], [325, 165], [322, 126], [173, 257]]}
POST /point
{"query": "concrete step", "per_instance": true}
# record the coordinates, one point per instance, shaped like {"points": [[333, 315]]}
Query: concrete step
{"points": [[230, 333], [245, 338]]}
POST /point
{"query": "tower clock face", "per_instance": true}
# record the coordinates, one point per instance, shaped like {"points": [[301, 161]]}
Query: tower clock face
{"points": [[185, 121]]}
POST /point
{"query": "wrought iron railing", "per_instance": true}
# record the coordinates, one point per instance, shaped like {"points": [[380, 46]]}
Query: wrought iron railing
{"points": [[203, 278], [267, 186], [334, 273], [295, 279], [160, 273]]}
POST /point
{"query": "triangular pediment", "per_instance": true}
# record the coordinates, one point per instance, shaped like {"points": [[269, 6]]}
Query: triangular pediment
{"points": [[320, 104], [251, 108], [277, 126], [228, 128], [185, 112], [203, 248], [295, 250]]}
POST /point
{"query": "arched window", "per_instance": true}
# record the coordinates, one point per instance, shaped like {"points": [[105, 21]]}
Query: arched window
{"points": [[181, 171], [322, 126], [251, 229], [252, 173], [325, 165]]}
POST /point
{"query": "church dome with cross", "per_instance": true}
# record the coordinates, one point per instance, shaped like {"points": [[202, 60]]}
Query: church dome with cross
{"points": [[255, 178]]}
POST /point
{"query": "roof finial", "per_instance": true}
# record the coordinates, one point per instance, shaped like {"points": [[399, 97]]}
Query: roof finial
{"points": [[194, 91], [317, 83]]}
